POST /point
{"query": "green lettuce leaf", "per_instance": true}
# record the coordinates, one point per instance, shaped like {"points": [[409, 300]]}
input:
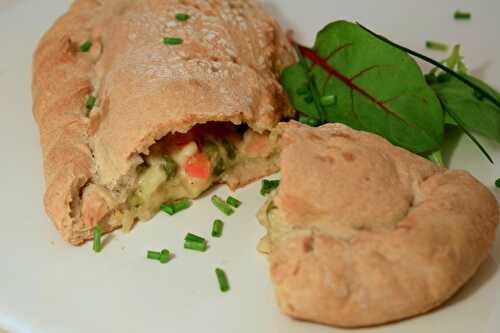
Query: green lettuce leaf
{"points": [[478, 114]]}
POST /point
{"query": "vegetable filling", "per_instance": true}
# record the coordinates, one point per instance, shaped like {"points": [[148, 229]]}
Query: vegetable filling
{"points": [[184, 165]]}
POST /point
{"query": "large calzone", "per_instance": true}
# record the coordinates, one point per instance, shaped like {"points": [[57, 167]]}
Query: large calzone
{"points": [[145, 102]]}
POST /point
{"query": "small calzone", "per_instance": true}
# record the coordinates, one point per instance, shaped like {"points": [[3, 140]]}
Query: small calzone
{"points": [[145, 102], [361, 232]]}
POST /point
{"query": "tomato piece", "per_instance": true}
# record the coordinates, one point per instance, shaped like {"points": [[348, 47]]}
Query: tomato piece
{"points": [[198, 166]]}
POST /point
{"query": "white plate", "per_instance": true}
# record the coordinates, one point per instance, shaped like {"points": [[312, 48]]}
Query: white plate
{"points": [[49, 286]]}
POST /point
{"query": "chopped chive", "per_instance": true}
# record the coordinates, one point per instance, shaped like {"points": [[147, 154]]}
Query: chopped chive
{"points": [[497, 183], [175, 207], [308, 121], [232, 201], [154, 255], [85, 46], [196, 246], [221, 205], [230, 149], [303, 90], [328, 100], [268, 186], [97, 246], [169, 166], [172, 41], [217, 228], [459, 15], [436, 46], [182, 17], [164, 256], [222, 279], [194, 238], [90, 102]]}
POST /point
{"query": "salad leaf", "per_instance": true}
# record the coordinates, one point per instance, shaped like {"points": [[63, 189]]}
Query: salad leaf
{"points": [[376, 87], [478, 114]]}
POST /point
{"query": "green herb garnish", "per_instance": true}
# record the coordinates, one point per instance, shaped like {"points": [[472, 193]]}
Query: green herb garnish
{"points": [[436, 46], [232, 201], [85, 46], [497, 183], [194, 238], [221, 205], [268, 186], [230, 149], [347, 62], [163, 256], [89, 105], [351, 62], [97, 235], [477, 114], [328, 100], [195, 246], [175, 207], [459, 15], [170, 167], [172, 41], [222, 279], [491, 95], [182, 17], [217, 227], [154, 255], [308, 121]]}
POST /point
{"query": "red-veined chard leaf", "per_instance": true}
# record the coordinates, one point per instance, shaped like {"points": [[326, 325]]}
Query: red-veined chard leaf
{"points": [[378, 88]]}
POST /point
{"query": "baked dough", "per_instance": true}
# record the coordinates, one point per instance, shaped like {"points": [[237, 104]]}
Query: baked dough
{"points": [[361, 232], [226, 70]]}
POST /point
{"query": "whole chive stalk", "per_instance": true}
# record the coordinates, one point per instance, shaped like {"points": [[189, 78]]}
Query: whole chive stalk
{"points": [[232, 201], [97, 244], [90, 102], [194, 238], [222, 279], [459, 15], [182, 17], [85, 46], [268, 186], [175, 207], [172, 41], [221, 205], [196, 246], [436, 46], [497, 183], [217, 227]]}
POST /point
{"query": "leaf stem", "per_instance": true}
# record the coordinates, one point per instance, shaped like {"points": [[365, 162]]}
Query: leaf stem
{"points": [[461, 124], [437, 158], [484, 93], [312, 85]]}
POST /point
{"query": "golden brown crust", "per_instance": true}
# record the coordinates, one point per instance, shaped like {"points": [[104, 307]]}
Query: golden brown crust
{"points": [[369, 233], [226, 70]]}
